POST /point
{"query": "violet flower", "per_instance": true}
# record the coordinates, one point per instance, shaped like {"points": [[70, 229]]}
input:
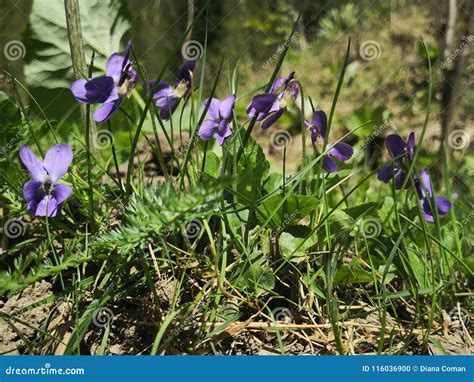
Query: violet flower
{"points": [[425, 193], [340, 151], [217, 125], [109, 90], [402, 156], [43, 193], [269, 107], [168, 97]]}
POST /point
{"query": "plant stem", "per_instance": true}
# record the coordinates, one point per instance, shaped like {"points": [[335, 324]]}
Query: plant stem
{"points": [[76, 44]]}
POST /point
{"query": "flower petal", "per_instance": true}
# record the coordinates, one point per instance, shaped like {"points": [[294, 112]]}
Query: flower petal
{"points": [[290, 77], [168, 109], [57, 161], [261, 103], [213, 108], [106, 111], [385, 174], [320, 121], [272, 118], [114, 67], [207, 129], [425, 206], [95, 90], [443, 205], [411, 144], [342, 151], [226, 107], [46, 207], [163, 90], [399, 179], [186, 71], [32, 163], [395, 145], [314, 136], [163, 102], [223, 132], [277, 85], [126, 55], [329, 164], [424, 188], [61, 192], [30, 190]]}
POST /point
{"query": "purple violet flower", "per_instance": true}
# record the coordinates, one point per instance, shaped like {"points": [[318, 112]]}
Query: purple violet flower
{"points": [[109, 90], [217, 125], [402, 156], [168, 97], [269, 107], [43, 193], [340, 151], [425, 193]]}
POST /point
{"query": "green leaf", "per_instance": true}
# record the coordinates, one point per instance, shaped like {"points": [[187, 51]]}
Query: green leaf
{"points": [[273, 182], [351, 274], [251, 171], [211, 166], [362, 209], [283, 213], [257, 278], [257, 275], [237, 220], [418, 268], [295, 242], [104, 24], [339, 221]]}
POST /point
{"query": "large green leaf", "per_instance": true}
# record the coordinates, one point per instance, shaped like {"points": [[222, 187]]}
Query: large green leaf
{"points": [[104, 23]]}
